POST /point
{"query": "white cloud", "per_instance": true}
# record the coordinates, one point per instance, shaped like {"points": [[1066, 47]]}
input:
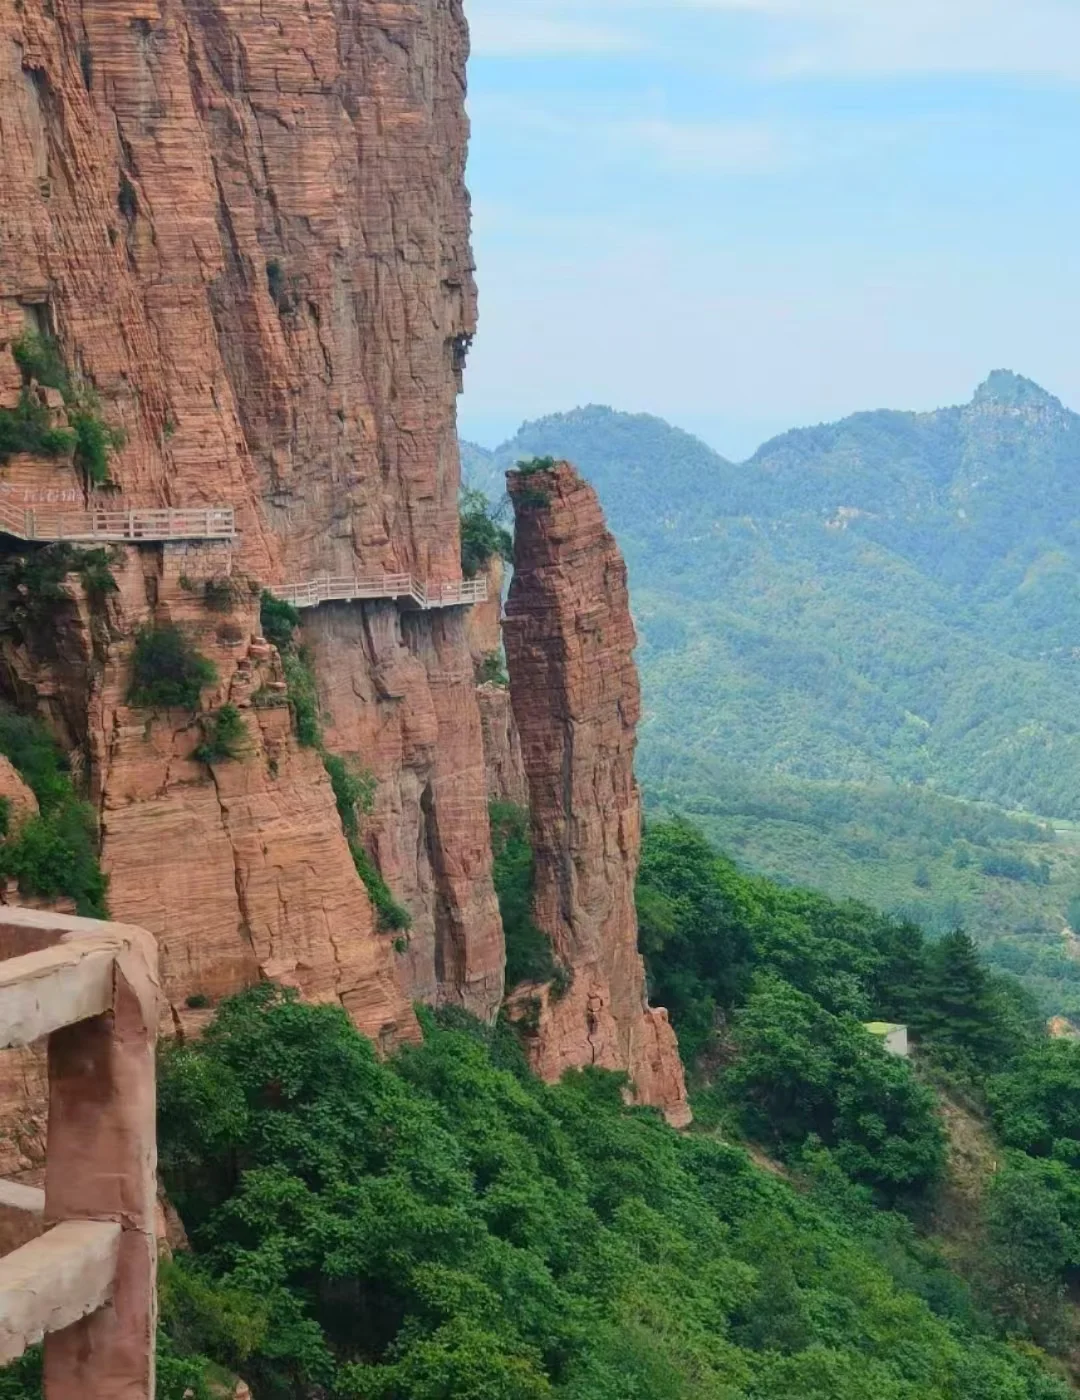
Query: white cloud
{"points": [[1024, 38], [677, 147], [544, 32]]}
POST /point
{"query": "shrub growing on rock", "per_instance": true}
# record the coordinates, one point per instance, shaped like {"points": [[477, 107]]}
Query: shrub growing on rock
{"points": [[167, 672], [224, 736]]}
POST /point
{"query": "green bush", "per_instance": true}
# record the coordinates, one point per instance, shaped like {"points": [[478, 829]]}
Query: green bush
{"points": [[482, 537], [95, 441], [1004, 866], [303, 698], [29, 747], [55, 853], [127, 200], [167, 672], [354, 792], [33, 582], [279, 622], [28, 428], [38, 357], [492, 671], [277, 286], [534, 466], [22, 1380], [392, 917], [224, 736], [219, 594]]}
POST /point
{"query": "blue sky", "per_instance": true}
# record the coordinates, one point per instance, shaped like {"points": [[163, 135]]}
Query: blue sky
{"points": [[747, 215]]}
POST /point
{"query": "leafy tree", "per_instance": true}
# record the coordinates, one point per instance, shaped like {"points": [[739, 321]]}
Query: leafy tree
{"points": [[1036, 1104], [801, 1073], [482, 537], [1032, 1245], [696, 917]]}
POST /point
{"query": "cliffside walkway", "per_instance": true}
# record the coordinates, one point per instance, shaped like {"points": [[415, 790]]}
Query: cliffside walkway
{"points": [[400, 587], [49, 524]]}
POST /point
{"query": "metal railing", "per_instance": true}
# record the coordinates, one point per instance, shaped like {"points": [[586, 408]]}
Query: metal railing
{"points": [[87, 1284], [149, 525], [326, 589]]}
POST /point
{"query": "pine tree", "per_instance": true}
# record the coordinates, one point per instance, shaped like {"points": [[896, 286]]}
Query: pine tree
{"points": [[960, 1015]]}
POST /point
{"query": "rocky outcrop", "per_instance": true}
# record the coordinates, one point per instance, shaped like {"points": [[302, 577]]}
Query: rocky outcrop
{"points": [[503, 763], [21, 802], [569, 643], [247, 228], [484, 623]]}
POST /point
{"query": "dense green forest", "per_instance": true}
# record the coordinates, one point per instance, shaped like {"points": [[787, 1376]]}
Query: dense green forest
{"points": [[887, 603], [443, 1226]]}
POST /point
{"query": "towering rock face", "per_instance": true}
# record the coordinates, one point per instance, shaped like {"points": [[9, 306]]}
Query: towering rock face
{"points": [[247, 227], [569, 642]]}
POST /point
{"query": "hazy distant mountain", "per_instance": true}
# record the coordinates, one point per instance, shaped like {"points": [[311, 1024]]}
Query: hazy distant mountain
{"points": [[893, 596]]}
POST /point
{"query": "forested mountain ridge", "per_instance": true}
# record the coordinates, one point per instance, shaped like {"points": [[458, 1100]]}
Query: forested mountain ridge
{"points": [[896, 595], [892, 599]]}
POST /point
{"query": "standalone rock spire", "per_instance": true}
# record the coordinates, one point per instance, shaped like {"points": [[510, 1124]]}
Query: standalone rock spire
{"points": [[576, 698]]}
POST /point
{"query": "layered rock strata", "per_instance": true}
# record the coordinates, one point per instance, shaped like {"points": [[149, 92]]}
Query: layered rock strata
{"points": [[569, 642], [247, 228]]}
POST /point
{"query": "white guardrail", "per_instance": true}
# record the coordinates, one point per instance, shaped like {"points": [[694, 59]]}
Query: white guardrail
{"points": [[46, 523], [402, 586]]}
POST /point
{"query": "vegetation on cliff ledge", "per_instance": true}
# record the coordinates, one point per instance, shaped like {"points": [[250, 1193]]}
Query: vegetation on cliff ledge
{"points": [[34, 584], [29, 426], [52, 855], [167, 672], [483, 538]]}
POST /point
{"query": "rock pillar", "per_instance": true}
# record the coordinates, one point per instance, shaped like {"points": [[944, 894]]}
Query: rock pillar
{"points": [[576, 698]]}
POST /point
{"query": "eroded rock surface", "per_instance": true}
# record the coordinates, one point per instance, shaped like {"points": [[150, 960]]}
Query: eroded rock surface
{"points": [[569, 642], [247, 228]]}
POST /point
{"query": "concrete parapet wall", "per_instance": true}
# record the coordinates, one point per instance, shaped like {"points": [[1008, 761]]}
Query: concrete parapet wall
{"points": [[88, 1284]]}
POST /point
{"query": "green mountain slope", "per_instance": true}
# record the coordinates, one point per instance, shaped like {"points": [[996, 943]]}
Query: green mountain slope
{"points": [[890, 599]]}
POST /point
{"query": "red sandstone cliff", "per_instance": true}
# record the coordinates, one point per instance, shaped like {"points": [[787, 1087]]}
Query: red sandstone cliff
{"points": [[247, 227], [569, 642]]}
